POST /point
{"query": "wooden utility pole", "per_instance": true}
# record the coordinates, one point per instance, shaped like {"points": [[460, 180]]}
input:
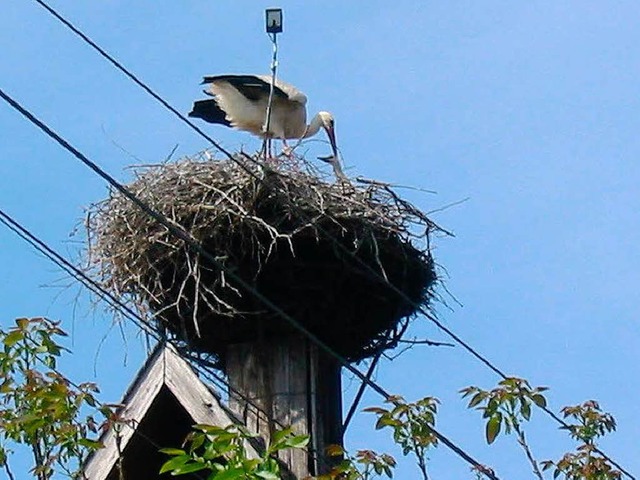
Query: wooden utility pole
{"points": [[288, 382]]}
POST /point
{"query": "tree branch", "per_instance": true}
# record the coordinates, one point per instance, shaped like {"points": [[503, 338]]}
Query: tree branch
{"points": [[523, 443], [8, 470]]}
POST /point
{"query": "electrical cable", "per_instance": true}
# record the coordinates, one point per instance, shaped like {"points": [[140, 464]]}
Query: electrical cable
{"points": [[181, 234], [137, 81], [360, 393], [419, 308], [80, 276], [133, 316], [232, 158], [184, 119]]}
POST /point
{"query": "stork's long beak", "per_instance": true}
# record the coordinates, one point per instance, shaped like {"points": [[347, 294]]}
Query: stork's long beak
{"points": [[331, 133], [334, 160]]}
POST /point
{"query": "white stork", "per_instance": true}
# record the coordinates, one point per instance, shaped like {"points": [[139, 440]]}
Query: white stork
{"points": [[240, 101]]}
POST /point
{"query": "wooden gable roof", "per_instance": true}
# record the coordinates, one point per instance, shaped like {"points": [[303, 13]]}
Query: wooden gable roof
{"points": [[165, 399]]}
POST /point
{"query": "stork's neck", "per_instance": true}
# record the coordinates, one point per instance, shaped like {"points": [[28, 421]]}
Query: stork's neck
{"points": [[313, 127]]}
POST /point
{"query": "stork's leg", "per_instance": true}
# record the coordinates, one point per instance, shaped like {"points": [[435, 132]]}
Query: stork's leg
{"points": [[267, 149], [287, 151], [271, 151], [263, 150]]}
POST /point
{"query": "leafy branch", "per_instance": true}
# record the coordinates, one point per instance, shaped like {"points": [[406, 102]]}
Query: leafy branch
{"points": [[222, 453], [508, 405], [412, 425], [39, 407], [590, 423], [361, 466]]}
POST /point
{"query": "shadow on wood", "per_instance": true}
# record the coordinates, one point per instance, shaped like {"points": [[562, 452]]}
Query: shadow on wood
{"points": [[288, 383]]}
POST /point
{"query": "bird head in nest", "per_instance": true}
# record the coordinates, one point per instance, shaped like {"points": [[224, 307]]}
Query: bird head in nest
{"points": [[328, 123]]}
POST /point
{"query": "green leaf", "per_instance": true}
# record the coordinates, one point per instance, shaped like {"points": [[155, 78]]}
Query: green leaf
{"points": [[93, 444], [172, 451], [230, 474], [174, 463], [268, 475], [297, 441], [525, 410], [476, 399], [188, 468], [539, 400], [13, 337], [280, 435], [198, 440], [22, 323], [493, 428], [250, 465], [6, 386], [385, 421], [400, 410]]}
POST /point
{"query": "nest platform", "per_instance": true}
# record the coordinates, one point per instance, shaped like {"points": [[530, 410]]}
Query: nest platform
{"points": [[323, 252]]}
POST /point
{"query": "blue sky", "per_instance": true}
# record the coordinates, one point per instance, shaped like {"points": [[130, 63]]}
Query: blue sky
{"points": [[528, 109]]}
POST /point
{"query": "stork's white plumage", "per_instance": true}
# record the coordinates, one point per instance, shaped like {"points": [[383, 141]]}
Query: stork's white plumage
{"points": [[240, 101]]}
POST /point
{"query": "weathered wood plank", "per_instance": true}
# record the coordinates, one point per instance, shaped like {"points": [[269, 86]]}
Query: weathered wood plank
{"points": [[292, 384]]}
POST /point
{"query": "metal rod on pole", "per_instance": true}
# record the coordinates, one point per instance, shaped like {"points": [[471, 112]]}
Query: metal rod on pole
{"points": [[273, 17], [267, 121]]}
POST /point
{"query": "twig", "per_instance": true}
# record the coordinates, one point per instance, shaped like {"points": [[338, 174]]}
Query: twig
{"points": [[448, 206], [523, 443], [431, 343], [8, 470]]}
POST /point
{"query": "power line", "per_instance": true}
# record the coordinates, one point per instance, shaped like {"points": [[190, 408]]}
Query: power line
{"points": [[197, 363], [71, 269], [177, 231], [136, 80], [181, 234], [120, 306], [360, 393], [80, 276], [375, 273], [231, 157]]}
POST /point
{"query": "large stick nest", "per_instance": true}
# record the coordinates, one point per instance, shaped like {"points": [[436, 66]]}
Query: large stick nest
{"points": [[325, 253]]}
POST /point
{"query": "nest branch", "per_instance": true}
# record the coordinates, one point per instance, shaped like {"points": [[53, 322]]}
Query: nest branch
{"points": [[306, 244]]}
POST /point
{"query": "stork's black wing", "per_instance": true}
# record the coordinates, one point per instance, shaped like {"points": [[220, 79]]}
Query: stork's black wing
{"points": [[251, 86], [209, 111]]}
